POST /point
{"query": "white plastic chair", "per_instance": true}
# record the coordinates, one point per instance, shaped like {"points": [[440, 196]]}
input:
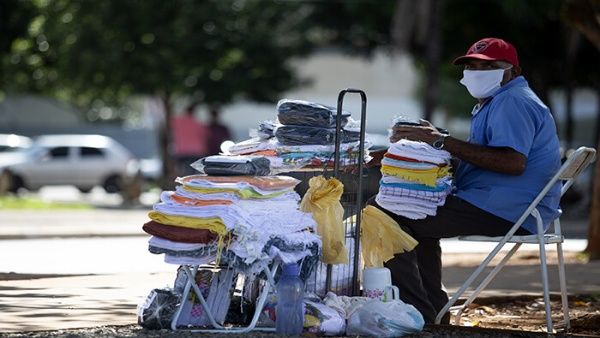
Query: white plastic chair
{"points": [[568, 172]]}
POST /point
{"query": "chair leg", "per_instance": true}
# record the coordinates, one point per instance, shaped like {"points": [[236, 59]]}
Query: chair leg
{"points": [[191, 278], [262, 299], [469, 281], [545, 283], [486, 281], [259, 307], [563, 285], [186, 292]]}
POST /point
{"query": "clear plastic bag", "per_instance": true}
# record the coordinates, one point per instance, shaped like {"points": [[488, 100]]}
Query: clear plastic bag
{"points": [[304, 113], [266, 129], [322, 320], [235, 165], [158, 309], [400, 120], [389, 319]]}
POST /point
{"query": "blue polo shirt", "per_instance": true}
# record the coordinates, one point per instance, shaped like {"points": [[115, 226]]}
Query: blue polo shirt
{"points": [[516, 118]]}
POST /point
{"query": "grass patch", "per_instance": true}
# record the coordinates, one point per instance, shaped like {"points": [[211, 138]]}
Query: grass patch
{"points": [[27, 203]]}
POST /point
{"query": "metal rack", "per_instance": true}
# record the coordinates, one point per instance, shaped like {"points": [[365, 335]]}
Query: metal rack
{"points": [[343, 279]]}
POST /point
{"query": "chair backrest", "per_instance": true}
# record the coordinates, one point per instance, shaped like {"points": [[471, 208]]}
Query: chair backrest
{"points": [[574, 165]]}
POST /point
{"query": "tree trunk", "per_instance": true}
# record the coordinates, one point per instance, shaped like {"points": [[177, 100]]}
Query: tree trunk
{"points": [[168, 168], [574, 42], [421, 19], [568, 139], [403, 24], [593, 247], [432, 58], [585, 16], [597, 130]]}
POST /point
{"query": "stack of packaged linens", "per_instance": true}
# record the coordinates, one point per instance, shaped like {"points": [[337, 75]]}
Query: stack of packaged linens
{"points": [[243, 222], [303, 136], [415, 179]]}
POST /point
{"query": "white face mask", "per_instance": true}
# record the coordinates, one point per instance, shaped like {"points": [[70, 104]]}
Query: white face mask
{"points": [[482, 83]]}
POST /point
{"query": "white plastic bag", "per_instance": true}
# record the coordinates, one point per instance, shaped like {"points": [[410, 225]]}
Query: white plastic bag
{"points": [[389, 319], [322, 320]]}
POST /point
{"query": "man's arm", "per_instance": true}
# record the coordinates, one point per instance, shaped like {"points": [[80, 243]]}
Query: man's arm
{"points": [[503, 160]]}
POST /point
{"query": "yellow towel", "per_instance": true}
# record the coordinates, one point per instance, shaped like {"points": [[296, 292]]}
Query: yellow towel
{"points": [[245, 193], [214, 224], [322, 199], [427, 177], [381, 237]]}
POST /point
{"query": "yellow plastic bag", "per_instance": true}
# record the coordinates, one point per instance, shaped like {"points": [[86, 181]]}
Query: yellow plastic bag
{"points": [[381, 237], [322, 199]]}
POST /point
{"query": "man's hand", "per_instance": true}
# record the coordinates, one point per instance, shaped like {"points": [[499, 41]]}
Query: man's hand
{"points": [[426, 132], [499, 159]]}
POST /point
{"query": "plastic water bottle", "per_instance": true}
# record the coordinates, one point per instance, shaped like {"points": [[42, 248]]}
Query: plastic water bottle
{"points": [[290, 294]]}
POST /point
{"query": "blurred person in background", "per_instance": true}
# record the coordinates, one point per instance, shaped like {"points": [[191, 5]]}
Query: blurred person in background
{"points": [[190, 141], [512, 152], [217, 133]]}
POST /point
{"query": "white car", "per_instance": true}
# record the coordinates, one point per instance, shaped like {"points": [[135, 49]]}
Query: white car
{"points": [[13, 142], [84, 161]]}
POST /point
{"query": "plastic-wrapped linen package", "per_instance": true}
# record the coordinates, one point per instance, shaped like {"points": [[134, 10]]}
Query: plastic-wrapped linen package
{"points": [[400, 120], [220, 165], [158, 309], [389, 319], [304, 135], [304, 113], [266, 129]]}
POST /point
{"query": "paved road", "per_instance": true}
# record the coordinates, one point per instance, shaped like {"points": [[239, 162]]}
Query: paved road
{"points": [[16, 224]]}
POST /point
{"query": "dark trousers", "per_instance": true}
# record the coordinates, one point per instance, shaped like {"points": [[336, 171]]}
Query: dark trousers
{"points": [[418, 273]]}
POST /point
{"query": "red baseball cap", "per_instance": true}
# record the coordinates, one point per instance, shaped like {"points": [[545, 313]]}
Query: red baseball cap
{"points": [[491, 49]]}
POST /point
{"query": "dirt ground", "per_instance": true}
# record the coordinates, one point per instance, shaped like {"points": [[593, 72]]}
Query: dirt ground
{"points": [[527, 312], [504, 322], [494, 317]]}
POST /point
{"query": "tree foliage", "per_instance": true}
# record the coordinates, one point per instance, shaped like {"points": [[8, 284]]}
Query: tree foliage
{"points": [[99, 53], [15, 16], [209, 50], [216, 51]]}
